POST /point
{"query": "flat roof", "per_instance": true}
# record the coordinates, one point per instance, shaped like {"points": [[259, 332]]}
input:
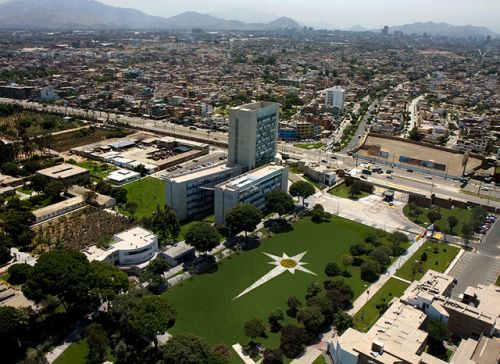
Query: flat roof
{"points": [[432, 283], [178, 250], [134, 238], [250, 177], [205, 172], [255, 105], [64, 170], [58, 206], [122, 175]]}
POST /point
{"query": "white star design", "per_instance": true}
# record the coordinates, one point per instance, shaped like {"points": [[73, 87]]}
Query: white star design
{"points": [[282, 264]]}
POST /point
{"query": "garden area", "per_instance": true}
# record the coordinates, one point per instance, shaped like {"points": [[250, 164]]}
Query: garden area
{"points": [[309, 145], [33, 124], [345, 191], [431, 255], [147, 193], [77, 353], [441, 217], [378, 303], [222, 317], [79, 230], [98, 171], [65, 141]]}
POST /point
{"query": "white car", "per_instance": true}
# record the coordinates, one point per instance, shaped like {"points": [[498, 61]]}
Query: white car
{"points": [[428, 177]]}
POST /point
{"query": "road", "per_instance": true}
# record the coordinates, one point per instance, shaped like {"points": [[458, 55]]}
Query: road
{"points": [[481, 265], [412, 108]]}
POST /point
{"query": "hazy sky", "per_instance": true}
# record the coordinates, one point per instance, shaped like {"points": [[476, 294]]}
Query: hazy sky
{"points": [[340, 13]]}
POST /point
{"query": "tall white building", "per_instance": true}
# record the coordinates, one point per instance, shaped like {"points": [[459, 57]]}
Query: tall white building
{"points": [[251, 187], [335, 97], [253, 134]]}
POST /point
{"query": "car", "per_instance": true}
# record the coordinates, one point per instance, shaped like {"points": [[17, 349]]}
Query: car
{"points": [[485, 188], [389, 177], [363, 176], [380, 172], [334, 157], [409, 170], [389, 171], [428, 177]]}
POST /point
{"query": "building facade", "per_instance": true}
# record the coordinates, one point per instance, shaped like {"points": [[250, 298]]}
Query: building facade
{"points": [[253, 134], [251, 187], [334, 97], [192, 195]]}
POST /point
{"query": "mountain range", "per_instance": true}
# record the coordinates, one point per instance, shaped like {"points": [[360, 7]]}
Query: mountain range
{"points": [[93, 15]]}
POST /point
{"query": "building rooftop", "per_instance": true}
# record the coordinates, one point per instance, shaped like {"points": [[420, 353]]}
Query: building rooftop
{"points": [[250, 177], [122, 175], [64, 170], [431, 284], [58, 206], [178, 250], [134, 238], [255, 105], [205, 172]]}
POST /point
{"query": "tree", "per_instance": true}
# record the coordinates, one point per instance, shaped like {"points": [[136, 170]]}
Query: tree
{"points": [[97, 342], [370, 270], [119, 194], [414, 211], [312, 318], [153, 274], [380, 255], [347, 261], [359, 249], [318, 214], [342, 321], [243, 217], [467, 232], [187, 349], [302, 190], [433, 215], [5, 244], [332, 269], [414, 134], [438, 333], [131, 207], [141, 168], [313, 289], [165, 224], [38, 182], [275, 319], [273, 356], [293, 304], [60, 273], [54, 188], [203, 237], [372, 239], [254, 328], [106, 281], [280, 202], [452, 222], [292, 340], [340, 294], [149, 316], [355, 189], [397, 238], [19, 273], [17, 226], [222, 352], [13, 326]]}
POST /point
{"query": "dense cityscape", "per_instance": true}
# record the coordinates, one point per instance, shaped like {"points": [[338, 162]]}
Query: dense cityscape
{"points": [[197, 190]]}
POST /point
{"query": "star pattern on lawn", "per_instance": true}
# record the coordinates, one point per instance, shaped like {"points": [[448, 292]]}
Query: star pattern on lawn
{"points": [[282, 264]]}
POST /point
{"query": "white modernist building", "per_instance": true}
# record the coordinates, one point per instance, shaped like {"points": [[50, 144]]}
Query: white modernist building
{"points": [[251, 187], [131, 249], [253, 134], [122, 176], [191, 195], [334, 97]]}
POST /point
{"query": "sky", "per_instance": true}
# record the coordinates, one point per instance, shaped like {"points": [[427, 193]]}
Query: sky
{"points": [[371, 14]]}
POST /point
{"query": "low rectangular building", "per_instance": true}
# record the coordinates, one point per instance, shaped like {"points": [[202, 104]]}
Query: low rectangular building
{"points": [[191, 195], [251, 187], [69, 173], [122, 176], [58, 209], [178, 253]]}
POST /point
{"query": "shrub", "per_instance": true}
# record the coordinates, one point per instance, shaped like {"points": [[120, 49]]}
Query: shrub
{"points": [[370, 270], [332, 269], [19, 273]]}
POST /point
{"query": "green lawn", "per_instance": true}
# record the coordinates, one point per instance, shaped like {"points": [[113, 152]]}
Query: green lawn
{"points": [[319, 360], [24, 189], [343, 191], [187, 224], [98, 171], [76, 353], [205, 304], [369, 313], [498, 281], [309, 145], [439, 257], [147, 193], [463, 215]]}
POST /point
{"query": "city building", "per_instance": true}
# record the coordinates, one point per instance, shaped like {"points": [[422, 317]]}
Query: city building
{"points": [[251, 187], [334, 97], [399, 334], [307, 130], [253, 134], [58, 209], [178, 253], [123, 176], [131, 249], [191, 195], [69, 173]]}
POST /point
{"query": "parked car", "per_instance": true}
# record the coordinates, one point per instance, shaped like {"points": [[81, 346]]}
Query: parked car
{"points": [[389, 177], [428, 177]]}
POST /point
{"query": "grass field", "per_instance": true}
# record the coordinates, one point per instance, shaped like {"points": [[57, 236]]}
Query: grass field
{"points": [[77, 138], [343, 191], [76, 354], [439, 257], [147, 193], [205, 305], [369, 313], [309, 145], [98, 171], [24, 189], [462, 215]]}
